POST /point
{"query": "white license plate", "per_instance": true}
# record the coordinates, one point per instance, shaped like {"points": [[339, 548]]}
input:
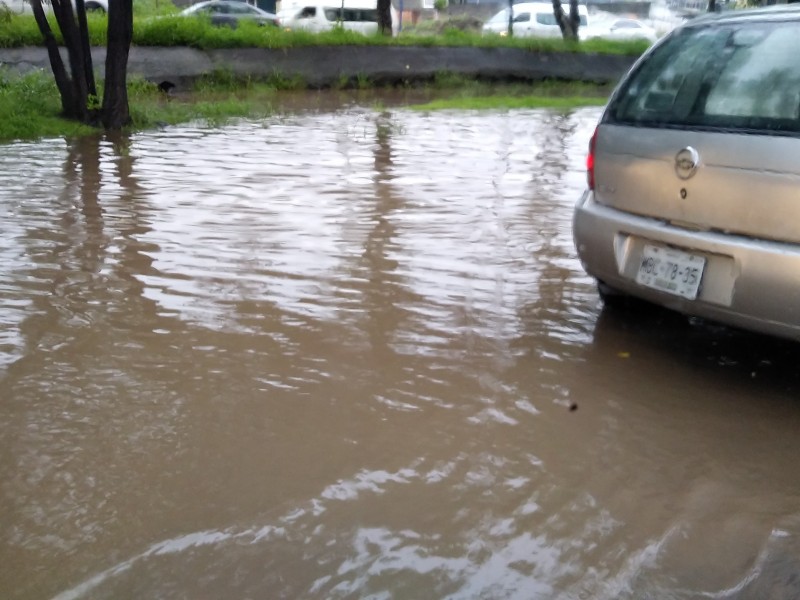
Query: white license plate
{"points": [[671, 271]]}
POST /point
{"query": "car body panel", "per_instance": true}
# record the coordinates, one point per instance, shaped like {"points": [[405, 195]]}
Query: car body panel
{"points": [[744, 184], [749, 283]]}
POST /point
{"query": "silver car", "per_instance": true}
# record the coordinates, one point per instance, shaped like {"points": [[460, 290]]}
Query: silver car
{"points": [[693, 200]]}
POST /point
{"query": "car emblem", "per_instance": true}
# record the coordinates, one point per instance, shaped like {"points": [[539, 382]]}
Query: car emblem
{"points": [[686, 162]]}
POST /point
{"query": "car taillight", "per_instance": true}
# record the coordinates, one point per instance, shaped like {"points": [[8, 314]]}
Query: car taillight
{"points": [[590, 161]]}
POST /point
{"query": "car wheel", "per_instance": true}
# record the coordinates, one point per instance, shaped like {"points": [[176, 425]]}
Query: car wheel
{"points": [[618, 301], [612, 296]]}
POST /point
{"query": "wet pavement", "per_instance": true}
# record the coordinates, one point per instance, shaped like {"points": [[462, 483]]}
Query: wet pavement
{"points": [[350, 353]]}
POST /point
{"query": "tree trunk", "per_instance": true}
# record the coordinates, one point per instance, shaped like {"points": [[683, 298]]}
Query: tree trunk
{"points": [[569, 24], [385, 17], [712, 5], [86, 49], [116, 111], [68, 101], [62, 9], [510, 30], [77, 86]]}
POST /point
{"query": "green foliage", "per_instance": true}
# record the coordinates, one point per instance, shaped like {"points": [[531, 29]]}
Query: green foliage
{"points": [[279, 81], [20, 30], [5, 14], [30, 104], [168, 29], [93, 102], [476, 95], [440, 4], [30, 107], [152, 8], [222, 80], [171, 31], [427, 27]]}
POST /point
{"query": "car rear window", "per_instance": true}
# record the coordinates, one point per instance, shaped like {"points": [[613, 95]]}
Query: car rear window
{"points": [[744, 76]]}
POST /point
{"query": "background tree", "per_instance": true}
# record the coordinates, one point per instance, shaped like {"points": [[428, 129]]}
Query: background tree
{"points": [[116, 111], [76, 85], [569, 23], [385, 16]]}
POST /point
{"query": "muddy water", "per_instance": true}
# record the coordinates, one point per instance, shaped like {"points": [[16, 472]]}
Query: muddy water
{"points": [[350, 354]]}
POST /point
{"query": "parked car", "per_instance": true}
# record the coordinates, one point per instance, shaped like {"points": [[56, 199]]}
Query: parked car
{"points": [[693, 198], [354, 16], [230, 12], [532, 19], [96, 5], [620, 29], [21, 7]]}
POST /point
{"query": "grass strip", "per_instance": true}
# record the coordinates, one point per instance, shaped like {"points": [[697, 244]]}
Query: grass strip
{"points": [[31, 105], [511, 102], [169, 29]]}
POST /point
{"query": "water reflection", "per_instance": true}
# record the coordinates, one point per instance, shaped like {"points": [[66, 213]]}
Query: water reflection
{"points": [[333, 355]]}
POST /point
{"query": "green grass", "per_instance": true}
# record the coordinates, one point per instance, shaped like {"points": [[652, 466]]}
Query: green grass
{"points": [[478, 95], [155, 24], [512, 102], [30, 104]]}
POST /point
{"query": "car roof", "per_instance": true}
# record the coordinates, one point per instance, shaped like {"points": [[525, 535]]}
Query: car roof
{"points": [[778, 12], [540, 5]]}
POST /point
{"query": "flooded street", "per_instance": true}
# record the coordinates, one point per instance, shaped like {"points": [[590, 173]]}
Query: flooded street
{"points": [[351, 354]]}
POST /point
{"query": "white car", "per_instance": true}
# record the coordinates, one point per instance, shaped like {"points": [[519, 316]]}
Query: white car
{"points": [[98, 5], [620, 29], [229, 12], [23, 6], [353, 16], [532, 19]]}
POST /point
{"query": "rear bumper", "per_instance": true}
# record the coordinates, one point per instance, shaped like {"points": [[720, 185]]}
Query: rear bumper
{"points": [[748, 283]]}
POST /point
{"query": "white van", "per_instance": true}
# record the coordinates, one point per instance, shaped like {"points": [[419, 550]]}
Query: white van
{"points": [[324, 16], [532, 19]]}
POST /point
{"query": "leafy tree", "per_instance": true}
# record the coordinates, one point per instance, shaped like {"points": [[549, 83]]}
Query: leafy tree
{"points": [[77, 87], [569, 23]]}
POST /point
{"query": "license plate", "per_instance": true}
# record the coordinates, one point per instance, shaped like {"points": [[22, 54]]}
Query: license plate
{"points": [[671, 271]]}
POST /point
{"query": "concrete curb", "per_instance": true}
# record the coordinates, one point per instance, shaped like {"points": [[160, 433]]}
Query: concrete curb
{"points": [[325, 66]]}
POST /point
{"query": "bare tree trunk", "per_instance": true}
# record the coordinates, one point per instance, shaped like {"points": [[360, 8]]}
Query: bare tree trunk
{"points": [[712, 5], [116, 111], [510, 30], [569, 24], [63, 83], [86, 50], [77, 86], [62, 9], [385, 17]]}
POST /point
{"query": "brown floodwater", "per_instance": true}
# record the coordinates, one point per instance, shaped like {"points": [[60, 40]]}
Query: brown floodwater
{"points": [[350, 353]]}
